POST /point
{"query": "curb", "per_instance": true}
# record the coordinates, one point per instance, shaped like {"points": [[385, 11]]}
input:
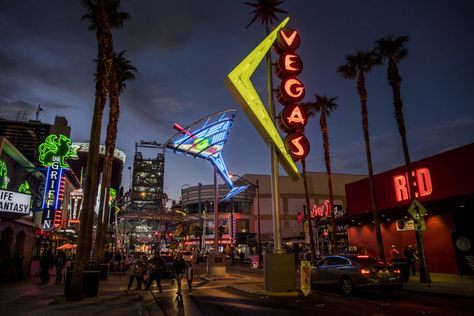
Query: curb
{"points": [[437, 293], [226, 277], [261, 292]]}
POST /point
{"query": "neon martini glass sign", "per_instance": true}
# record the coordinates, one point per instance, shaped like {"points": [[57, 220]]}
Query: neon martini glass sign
{"points": [[205, 139]]}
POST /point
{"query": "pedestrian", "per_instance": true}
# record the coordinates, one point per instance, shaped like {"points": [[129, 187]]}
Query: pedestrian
{"points": [[59, 263], [189, 274], [117, 261], [179, 266], [394, 253], [18, 263], [135, 272], [156, 266], [46, 261], [410, 254]]}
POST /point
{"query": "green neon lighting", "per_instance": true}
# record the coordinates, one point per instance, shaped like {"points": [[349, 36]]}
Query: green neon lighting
{"points": [[112, 195], [201, 143], [54, 146], [4, 179], [239, 84], [24, 188]]}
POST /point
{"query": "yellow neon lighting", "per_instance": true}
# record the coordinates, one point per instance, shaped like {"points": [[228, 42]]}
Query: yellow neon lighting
{"points": [[238, 82]]}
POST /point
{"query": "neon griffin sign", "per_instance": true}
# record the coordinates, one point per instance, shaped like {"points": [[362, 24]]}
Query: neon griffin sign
{"points": [[53, 154]]}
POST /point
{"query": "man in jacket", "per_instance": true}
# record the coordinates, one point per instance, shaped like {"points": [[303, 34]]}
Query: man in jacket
{"points": [[156, 265]]}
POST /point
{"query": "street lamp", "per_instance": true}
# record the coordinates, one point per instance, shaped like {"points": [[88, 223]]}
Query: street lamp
{"points": [[259, 243]]}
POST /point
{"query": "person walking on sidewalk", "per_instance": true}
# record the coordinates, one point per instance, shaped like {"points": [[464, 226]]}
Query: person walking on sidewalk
{"points": [[179, 266], [156, 265], [189, 274], [46, 262], [59, 263], [135, 272]]}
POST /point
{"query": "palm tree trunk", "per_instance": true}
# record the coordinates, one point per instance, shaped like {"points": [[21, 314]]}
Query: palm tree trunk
{"points": [[324, 131], [104, 64], [111, 138], [307, 212], [395, 81], [365, 127]]}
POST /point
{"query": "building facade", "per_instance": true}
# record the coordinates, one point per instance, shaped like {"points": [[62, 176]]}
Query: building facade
{"points": [[445, 189], [247, 207]]}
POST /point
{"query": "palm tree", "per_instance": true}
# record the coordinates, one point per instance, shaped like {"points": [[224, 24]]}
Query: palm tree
{"points": [[392, 49], [102, 15], [325, 105], [356, 67], [122, 71], [312, 246], [265, 11]]}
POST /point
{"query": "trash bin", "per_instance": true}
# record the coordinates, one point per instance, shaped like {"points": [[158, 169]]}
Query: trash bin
{"points": [[90, 283], [404, 266], [104, 271]]}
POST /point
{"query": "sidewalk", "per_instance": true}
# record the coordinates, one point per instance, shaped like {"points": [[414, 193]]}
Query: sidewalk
{"points": [[447, 285], [442, 284], [31, 298]]}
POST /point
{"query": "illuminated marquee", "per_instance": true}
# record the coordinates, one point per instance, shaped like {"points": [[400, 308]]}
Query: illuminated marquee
{"points": [[423, 184], [319, 211], [293, 118], [238, 82], [53, 154], [205, 139], [75, 206]]}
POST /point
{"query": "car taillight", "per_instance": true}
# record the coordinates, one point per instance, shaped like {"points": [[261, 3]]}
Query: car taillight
{"points": [[365, 271], [396, 271]]}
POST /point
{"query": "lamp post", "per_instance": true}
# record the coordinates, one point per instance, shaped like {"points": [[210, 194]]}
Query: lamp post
{"points": [[259, 241]]}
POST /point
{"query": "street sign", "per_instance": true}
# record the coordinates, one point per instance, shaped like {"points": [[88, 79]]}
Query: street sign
{"points": [[417, 211], [420, 225], [305, 277]]}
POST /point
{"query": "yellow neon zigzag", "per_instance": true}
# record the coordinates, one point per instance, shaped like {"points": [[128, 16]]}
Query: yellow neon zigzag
{"points": [[239, 84]]}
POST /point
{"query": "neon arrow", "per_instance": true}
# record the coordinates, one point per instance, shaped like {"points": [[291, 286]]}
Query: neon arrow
{"points": [[238, 82]]}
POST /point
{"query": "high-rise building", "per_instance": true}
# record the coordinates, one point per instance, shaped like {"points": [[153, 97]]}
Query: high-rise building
{"points": [[147, 183]]}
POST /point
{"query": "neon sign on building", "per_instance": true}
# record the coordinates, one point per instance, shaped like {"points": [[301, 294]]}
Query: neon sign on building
{"points": [[53, 154], [423, 184], [323, 210]]}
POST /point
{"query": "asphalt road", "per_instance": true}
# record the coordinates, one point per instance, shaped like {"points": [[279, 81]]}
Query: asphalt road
{"points": [[215, 298]]}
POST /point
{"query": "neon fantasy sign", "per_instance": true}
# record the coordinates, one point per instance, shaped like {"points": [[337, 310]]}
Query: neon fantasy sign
{"points": [[423, 184], [53, 154]]}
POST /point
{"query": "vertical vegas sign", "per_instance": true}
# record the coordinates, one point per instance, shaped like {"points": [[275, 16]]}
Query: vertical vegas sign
{"points": [[293, 118], [53, 154]]}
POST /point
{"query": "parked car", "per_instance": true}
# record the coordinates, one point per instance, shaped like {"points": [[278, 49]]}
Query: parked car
{"points": [[352, 272]]}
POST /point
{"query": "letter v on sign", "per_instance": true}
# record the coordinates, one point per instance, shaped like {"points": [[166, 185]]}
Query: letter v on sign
{"points": [[238, 82], [289, 40]]}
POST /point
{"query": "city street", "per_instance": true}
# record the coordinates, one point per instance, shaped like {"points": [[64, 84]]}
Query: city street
{"points": [[216, 297]]}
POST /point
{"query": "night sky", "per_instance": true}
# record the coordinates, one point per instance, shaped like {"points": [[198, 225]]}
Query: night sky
{"points": [[183, 50]]}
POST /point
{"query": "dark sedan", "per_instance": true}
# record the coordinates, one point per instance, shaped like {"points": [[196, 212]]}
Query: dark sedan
{"points": [[355, 272]]}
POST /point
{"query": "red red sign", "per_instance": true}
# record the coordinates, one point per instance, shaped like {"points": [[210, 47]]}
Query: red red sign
{"points": [[287, 40], [323, 210], [293, 118], [297, 146], [422, 184], [291, 90], [289, 64]]}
